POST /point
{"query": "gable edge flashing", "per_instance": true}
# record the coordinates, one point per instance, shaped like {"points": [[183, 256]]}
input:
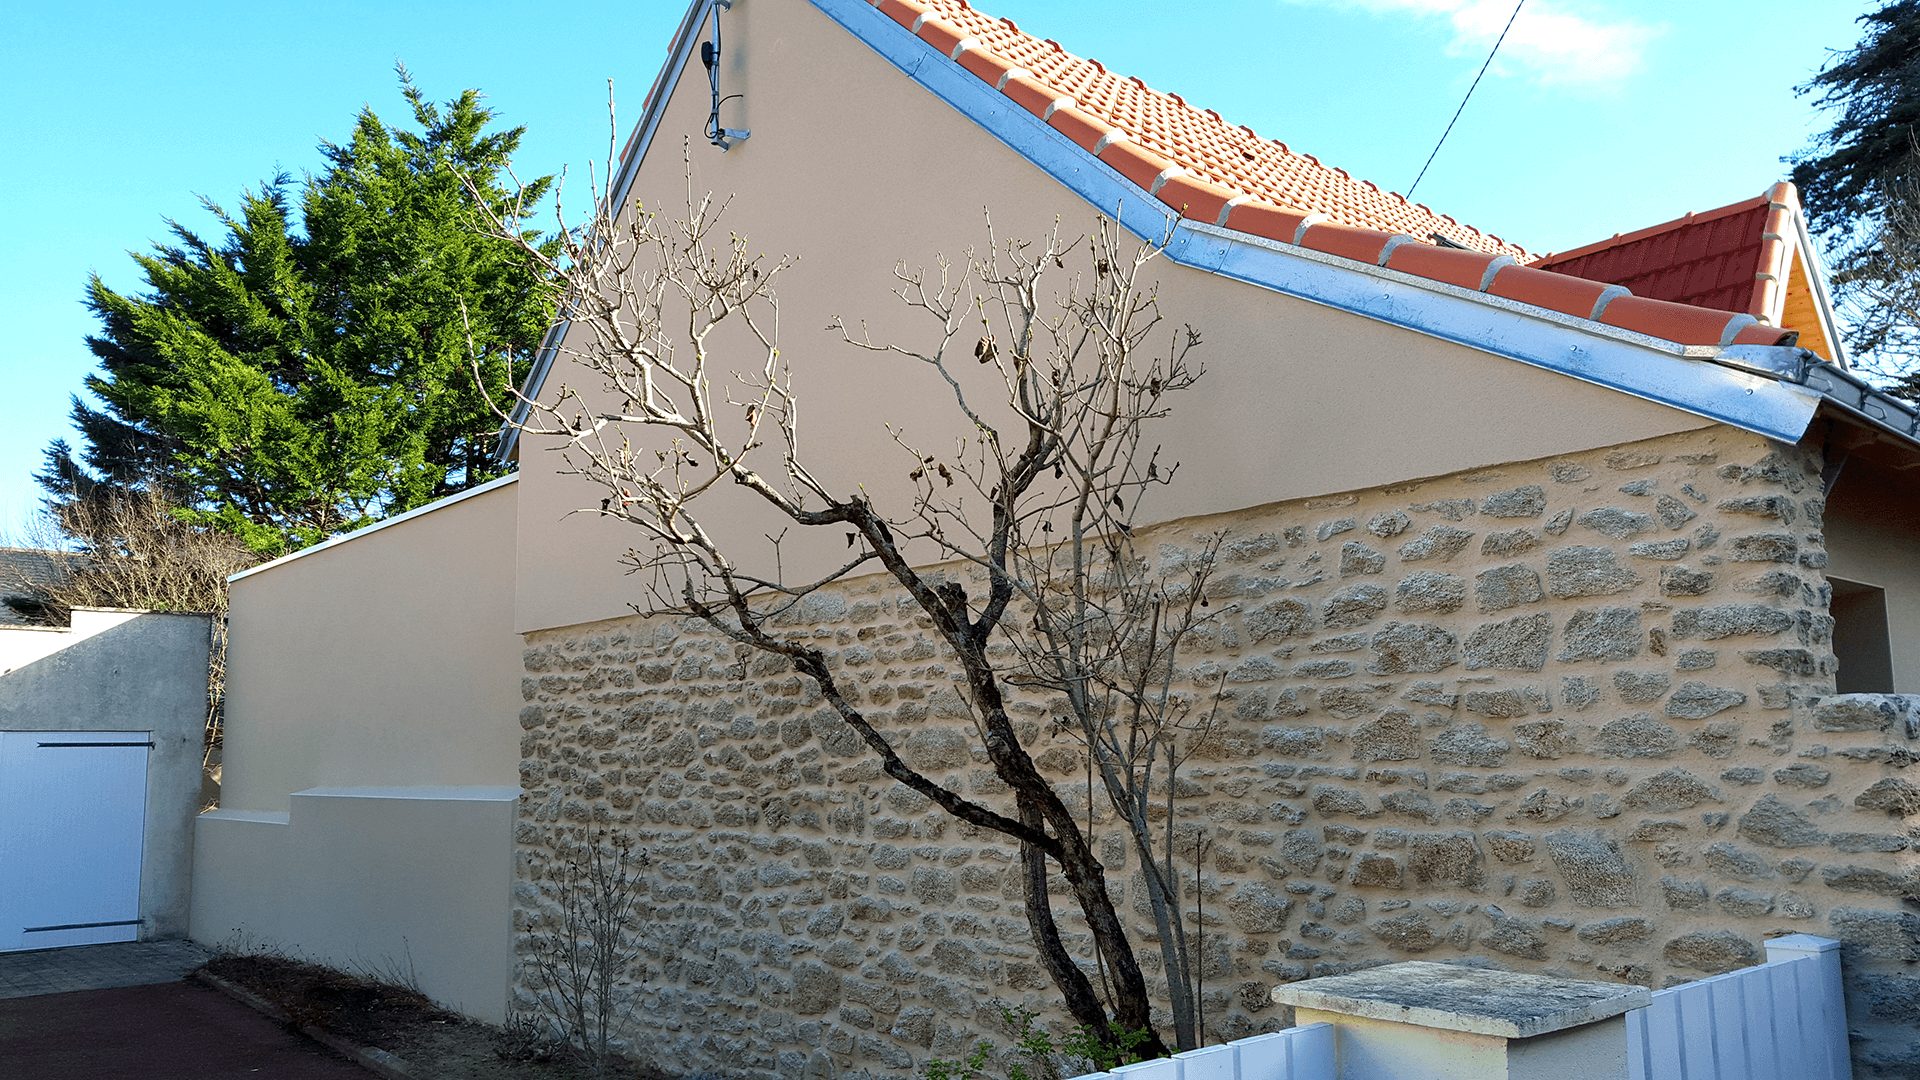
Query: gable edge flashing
{"points": [[338, 539], [651, 111], [1815, 268], [1666, 373]]}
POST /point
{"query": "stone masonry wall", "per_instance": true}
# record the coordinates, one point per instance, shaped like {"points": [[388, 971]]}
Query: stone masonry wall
{"points": [[1561, 716]]}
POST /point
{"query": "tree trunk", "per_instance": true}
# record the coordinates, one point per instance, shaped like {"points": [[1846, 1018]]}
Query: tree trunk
{"points": [[1132, 1008], [1166, 920], [1083, 1003]]}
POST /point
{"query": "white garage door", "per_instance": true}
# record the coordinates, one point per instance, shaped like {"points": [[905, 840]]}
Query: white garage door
{"points": [[73, 807]]}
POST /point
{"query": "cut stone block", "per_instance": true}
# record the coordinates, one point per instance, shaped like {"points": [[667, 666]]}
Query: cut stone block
{"points": [[1441, 1020]]}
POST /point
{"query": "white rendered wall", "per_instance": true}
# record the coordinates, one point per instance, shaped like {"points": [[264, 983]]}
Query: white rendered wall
{"points": [[22, 645]]}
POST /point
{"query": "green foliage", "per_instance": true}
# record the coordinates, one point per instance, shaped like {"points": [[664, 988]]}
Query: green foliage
{"points": [[1875, 89], [1860, 181], [1040, 1050], [973, 1067], [285, 384]]}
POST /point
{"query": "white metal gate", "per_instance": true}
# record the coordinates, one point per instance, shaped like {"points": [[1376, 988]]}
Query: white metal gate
{"points": [[73, 808]]}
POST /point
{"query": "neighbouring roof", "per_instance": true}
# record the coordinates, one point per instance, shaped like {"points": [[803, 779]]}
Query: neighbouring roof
{"points": [[1710, 258], [1748, 257], [1206, 170], [24, 572]]}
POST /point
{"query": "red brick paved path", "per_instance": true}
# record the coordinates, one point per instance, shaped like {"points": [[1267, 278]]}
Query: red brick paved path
{"points": [[172, 1031]]}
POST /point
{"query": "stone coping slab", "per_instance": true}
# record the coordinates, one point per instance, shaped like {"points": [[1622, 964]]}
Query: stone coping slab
{"points": [[1451, 997]]}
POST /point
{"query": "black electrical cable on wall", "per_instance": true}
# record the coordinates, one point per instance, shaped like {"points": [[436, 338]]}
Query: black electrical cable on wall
{"points": [[710, 56]]}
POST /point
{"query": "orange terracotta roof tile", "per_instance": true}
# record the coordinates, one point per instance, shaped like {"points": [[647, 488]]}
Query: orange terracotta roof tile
{"points": [[1347, 241], [1541, 288], [1455, 266], [1675, 322], [1209, 171], [1210, 149]]}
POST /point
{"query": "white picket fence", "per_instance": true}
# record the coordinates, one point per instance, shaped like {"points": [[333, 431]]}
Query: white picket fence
{"points": [[1302, 1053], [1783, 1020]]}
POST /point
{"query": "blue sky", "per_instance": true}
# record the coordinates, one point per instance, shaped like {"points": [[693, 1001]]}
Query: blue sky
{"points": [[1600, 116]]}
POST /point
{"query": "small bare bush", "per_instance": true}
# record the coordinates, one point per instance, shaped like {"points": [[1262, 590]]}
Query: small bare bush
{"points": [[581, 959]]}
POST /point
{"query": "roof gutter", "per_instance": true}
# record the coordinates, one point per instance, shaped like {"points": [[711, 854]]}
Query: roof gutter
{"points": [[1838, 388]]}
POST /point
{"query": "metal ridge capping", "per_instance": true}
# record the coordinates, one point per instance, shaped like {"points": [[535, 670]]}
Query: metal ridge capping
{"points": [[1197, 199]]}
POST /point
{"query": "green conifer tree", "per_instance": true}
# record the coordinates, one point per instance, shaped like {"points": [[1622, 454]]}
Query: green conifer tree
{"points": [[286, 383], [1860, 181]]}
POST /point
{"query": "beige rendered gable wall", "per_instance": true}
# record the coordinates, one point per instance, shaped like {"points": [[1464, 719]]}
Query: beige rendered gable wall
{"points": [[852, 167], [387, 659]]}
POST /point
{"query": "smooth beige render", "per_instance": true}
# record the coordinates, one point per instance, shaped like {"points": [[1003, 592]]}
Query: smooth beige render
{"points": [[844, 172], [372, 754]]}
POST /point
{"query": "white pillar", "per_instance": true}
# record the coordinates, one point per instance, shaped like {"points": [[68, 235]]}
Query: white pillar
{"points": [[1445, 1022], [1830, 1004]]}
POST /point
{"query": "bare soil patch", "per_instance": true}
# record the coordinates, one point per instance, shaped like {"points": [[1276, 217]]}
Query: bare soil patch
{"points": [[433, 1043]]}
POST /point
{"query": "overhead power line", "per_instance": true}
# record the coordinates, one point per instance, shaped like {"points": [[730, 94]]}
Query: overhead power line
{"points": [[1469, 96]]}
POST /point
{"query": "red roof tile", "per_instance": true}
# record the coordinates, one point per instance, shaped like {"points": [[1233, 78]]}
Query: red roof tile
{"points": [[1732, 258], [1206, 170]]}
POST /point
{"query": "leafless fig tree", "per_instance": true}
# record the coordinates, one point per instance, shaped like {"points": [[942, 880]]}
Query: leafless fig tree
{"points": [[1099, 628], [1057, 361]]}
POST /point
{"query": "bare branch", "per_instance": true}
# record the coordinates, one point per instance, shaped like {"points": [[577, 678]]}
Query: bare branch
{"points": [[1056, 358]]}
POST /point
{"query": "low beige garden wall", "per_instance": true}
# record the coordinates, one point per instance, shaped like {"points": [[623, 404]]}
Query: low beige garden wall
{"points": [[409, 886], [1563, 715], [367, 808]]}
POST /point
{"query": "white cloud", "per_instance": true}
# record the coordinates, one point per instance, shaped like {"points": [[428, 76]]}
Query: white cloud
{"points": [[1553, 42]]}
